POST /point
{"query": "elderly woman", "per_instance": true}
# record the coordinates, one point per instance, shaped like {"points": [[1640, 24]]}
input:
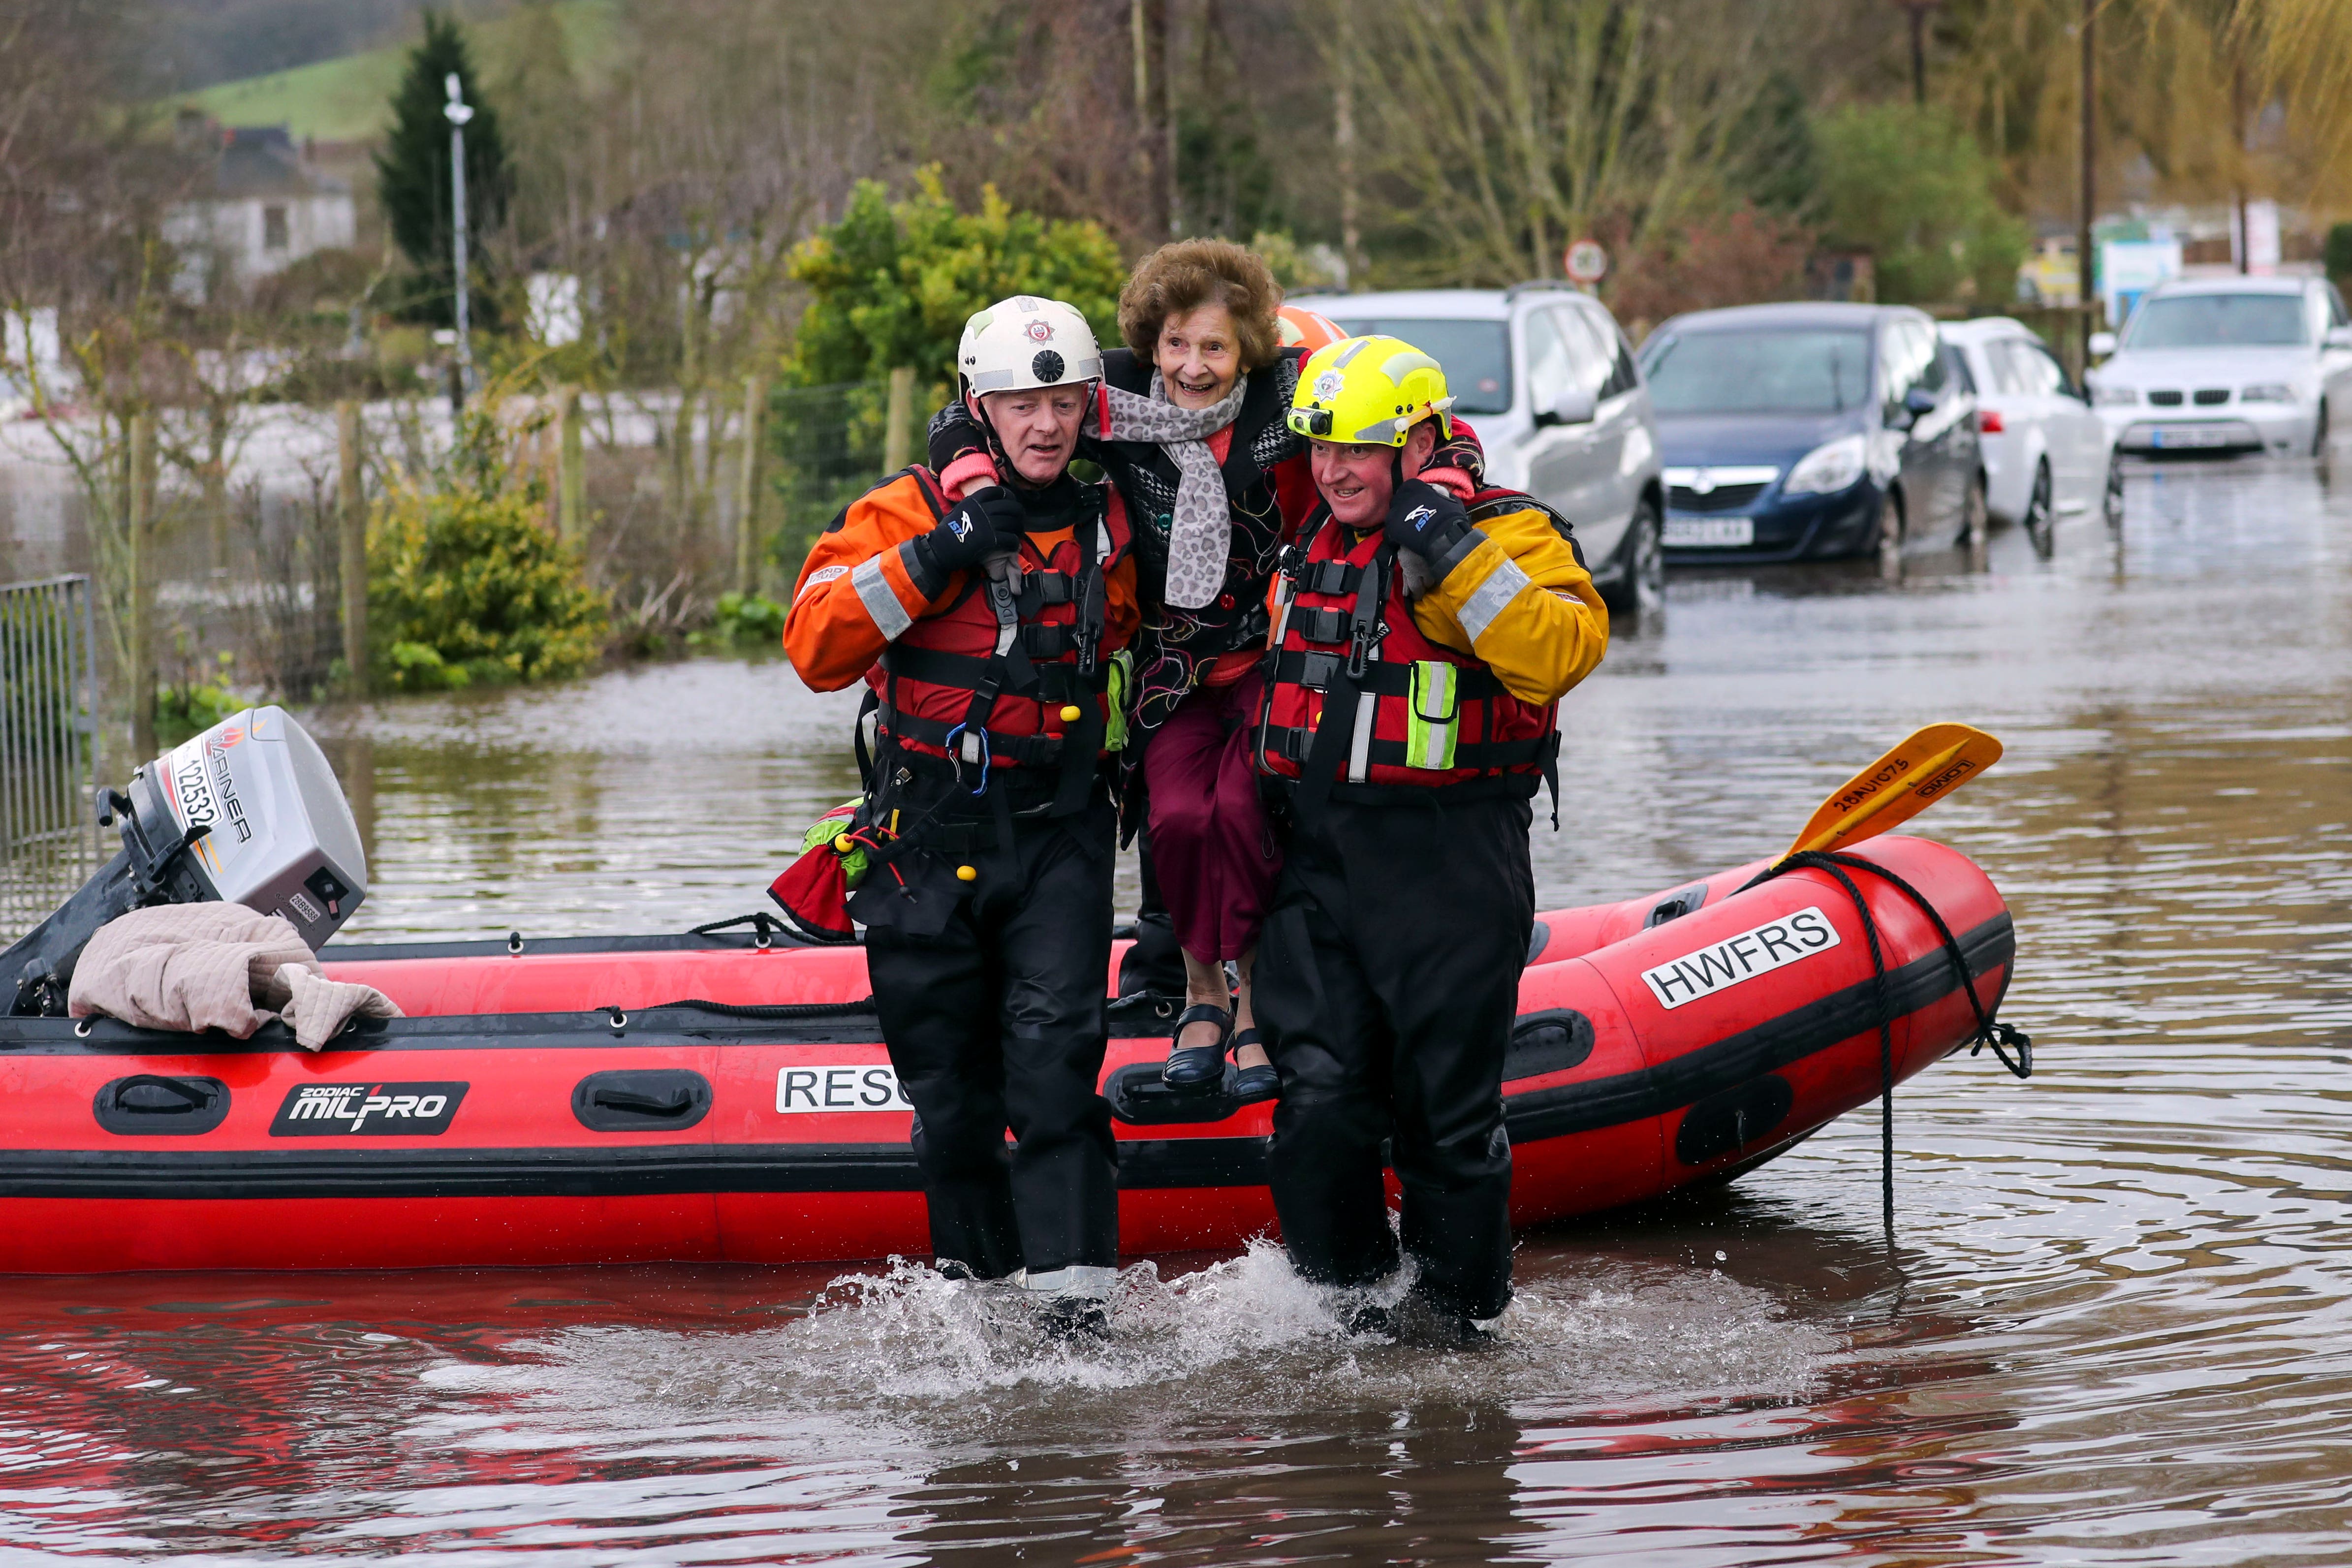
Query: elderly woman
{"points": [[1189, 425]]}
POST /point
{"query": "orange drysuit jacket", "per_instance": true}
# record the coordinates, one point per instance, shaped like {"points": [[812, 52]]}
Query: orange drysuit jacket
{"points": [[855, 596]]}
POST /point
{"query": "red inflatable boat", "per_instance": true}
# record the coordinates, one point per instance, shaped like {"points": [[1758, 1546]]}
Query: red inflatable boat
{"points": [[728, 1096]]}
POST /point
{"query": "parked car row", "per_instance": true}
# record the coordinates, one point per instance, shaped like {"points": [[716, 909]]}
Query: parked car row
{"points": [[1770, 433], [1548, 379]]}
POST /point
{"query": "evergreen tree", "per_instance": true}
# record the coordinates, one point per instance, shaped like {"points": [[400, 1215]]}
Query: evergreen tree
{"points": [[412, 171]]}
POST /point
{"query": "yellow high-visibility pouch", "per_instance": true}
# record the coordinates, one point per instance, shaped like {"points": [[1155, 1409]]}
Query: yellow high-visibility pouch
{"points": [[1432, 722], [1122, 676]]}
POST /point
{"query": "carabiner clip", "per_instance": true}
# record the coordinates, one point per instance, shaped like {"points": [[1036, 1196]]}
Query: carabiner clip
{"points": [[956, 757]]}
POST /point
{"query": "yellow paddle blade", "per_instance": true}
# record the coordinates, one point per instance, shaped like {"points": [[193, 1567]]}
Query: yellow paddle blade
{"points": [[1921, 770]]}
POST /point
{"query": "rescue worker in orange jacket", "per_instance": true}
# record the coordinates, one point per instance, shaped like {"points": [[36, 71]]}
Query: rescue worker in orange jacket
{"points": [[1419, 649], [986, 631]]}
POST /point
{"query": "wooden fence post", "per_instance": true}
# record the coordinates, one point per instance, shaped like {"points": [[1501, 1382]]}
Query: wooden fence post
{"points": [[351, 504], [897, 435], [139, 529], [572, 470], [747, 489]]}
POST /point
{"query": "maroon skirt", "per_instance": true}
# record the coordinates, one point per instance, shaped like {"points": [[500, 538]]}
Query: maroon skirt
{"points": [[1211, 846]]}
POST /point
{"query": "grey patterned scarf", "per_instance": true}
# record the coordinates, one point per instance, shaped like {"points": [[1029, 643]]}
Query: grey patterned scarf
{"points": [[1201, 530]]}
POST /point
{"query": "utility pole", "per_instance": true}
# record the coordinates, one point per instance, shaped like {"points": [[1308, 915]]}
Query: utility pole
{"points": [[2084, 257], [460, 112], [1343, 137], [1168, 117], [1139, 25], [2238, 134], [1919, 10]]}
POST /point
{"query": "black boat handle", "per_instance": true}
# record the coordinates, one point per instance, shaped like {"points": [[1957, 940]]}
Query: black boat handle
{"points": [[677, 1102], [191, 1097]]}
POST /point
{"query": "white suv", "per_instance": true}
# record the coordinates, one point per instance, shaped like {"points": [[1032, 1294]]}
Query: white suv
{"points": [[1545, 376], [2229, 364]]}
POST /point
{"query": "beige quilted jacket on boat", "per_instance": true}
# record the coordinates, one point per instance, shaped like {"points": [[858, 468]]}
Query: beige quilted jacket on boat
{"points": [[214, 966]]}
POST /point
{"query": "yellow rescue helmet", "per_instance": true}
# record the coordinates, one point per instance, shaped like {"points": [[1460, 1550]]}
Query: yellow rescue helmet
{"points": [[1369, 392]]}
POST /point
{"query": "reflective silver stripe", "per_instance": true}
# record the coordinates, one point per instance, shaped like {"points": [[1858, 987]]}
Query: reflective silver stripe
{"points": [[1359, 741], [1017, 380], [1088, 1280], [881, 600], [1506, 583], [1359, 346]]}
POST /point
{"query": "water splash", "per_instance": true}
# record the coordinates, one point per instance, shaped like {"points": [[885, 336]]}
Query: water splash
{"points": [[907, 1345]]}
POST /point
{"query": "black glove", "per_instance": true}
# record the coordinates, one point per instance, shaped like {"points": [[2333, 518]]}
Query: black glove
{"points": [[1426, 521], [983, 522], [953, 434]]}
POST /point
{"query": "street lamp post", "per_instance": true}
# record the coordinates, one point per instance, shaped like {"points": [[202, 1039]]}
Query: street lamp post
{"points": [[459, 111], [1919, 10]]}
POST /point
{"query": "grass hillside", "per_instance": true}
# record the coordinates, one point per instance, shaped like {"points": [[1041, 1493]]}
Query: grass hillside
{"points": [[348, 99]]}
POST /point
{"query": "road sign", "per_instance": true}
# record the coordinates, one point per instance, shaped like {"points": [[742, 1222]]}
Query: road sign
{"points": [[1586, 262]]}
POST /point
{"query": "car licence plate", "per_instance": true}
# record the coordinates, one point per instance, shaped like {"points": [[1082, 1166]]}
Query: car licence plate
{"points": [[1709, 532]]}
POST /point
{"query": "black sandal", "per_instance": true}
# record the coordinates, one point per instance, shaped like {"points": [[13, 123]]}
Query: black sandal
{"points": [[1198, 1069], [1254, 1084]]}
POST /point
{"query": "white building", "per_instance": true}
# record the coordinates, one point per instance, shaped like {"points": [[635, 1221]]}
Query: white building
{"points": [[266, 208]]}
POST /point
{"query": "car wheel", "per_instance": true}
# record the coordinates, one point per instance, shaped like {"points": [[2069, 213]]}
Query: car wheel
{"points": [[2319, 430], [2111, 505], [2040, 516], [1640, 589], [1891, 527]]}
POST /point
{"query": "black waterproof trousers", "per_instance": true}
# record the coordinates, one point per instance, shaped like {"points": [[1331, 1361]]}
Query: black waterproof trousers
{"points": [[1388, 983], [999, 1022]]}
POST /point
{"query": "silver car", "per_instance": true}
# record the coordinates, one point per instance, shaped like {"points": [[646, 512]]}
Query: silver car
{"points": [[2227, 365], [1545, 376], [2046, 453]]}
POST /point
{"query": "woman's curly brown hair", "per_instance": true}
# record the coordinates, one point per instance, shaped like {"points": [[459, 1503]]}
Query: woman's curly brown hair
{"points": [[1186, 274]]}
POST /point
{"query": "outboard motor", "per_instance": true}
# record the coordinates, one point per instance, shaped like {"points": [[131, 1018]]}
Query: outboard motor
{"points": [[247, 813]]}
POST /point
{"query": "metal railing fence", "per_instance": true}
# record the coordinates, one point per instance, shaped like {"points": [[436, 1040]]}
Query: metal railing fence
{"points": [[48, 834]]}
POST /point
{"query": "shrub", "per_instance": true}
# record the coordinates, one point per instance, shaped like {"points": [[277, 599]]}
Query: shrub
{"points": [[744, 620], [191, 709], [466, 583], [1911, 187]]}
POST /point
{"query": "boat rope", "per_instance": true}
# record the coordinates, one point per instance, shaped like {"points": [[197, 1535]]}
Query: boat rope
{"points": [[764, 926], [775, 1012], [2001, 1038]]}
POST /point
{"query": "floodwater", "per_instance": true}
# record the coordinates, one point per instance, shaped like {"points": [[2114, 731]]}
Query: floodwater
{"points": [[2114, 1328]]}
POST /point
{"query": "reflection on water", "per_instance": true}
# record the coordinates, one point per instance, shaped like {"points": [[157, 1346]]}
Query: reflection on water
{"points": [[2115, 1329]]}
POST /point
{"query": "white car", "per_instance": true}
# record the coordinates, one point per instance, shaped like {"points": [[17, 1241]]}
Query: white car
{"points": [[1546, 377], [2046, 453], [2227, 365]]}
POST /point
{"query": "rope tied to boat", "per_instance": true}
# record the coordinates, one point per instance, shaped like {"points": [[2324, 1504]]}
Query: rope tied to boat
{"points": [[2003, 1038], [766, 1012]]}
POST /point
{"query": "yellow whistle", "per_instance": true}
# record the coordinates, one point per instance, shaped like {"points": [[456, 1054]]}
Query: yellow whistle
{"points": [[843, 844], [1071, 714], [967, 873]]}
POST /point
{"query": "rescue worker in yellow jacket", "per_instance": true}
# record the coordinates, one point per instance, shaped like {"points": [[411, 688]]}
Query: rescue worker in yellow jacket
{"points": [[1421, 648], [986, 632]]}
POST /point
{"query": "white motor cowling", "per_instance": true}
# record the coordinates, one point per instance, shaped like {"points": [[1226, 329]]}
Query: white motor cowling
{"points": [[279, 838], [247, 813]]}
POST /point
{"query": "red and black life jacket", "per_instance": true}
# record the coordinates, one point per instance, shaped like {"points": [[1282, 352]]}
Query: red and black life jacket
{"points": [[985, 683], [1358, 700]]}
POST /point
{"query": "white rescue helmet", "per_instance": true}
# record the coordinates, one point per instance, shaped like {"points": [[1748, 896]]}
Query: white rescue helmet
{"points": [[1024, 342]]}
